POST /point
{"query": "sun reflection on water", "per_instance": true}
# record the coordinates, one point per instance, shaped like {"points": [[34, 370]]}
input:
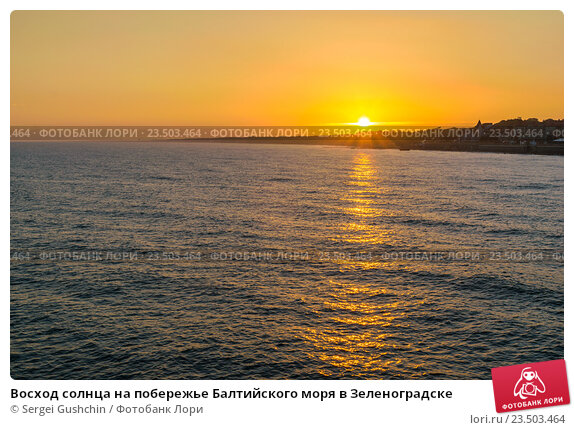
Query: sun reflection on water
{"points": [[359, 338]]}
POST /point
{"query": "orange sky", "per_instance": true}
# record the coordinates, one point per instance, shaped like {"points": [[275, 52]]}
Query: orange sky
{"points": [[284, 68]]}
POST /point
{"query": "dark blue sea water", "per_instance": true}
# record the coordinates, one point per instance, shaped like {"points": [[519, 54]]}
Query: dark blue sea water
{"points": [[190, 293]]}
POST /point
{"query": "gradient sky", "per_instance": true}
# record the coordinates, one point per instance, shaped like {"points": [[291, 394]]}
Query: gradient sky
{"points": [[284, 68]]}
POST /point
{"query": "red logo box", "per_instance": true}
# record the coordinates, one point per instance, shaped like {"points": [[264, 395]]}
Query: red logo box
{"points": [[531, 385]]}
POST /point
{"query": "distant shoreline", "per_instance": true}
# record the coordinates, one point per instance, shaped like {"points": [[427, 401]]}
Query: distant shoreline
{"points": [[449, 146], [403, 145]]}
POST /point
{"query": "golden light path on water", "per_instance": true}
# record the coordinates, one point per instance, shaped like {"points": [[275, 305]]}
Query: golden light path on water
{"points": [[359, 340]]}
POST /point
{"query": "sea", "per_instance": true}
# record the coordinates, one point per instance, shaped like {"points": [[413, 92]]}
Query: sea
{"points": [[212, 260]]}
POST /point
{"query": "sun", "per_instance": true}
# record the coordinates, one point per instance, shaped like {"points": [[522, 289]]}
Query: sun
{"points": [[364, 121]]}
